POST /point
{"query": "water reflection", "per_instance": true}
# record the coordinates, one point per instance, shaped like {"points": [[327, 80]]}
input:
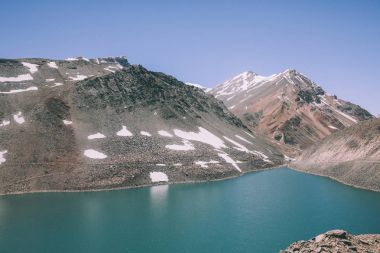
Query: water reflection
{"points": [[158, 194]]}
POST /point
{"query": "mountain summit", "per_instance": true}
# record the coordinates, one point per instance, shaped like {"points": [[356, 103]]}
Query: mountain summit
{"points": [[288, 108]]}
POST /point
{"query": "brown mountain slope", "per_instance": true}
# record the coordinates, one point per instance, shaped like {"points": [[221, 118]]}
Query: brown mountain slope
{"points": [[288, 108], [351, 156]]}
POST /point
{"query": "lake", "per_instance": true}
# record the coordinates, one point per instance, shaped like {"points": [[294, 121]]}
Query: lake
{"points": [[259, 212]]}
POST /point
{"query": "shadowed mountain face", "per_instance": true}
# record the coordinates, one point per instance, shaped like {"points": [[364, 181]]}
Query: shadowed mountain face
{"points": [[288, 108], [351, 156], [102, 123]]}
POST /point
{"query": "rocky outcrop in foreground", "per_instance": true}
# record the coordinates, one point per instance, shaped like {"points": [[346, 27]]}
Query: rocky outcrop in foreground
{"points": [[337, 241]]}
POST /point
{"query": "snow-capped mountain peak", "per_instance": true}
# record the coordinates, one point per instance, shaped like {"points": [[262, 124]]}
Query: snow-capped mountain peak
{"points": [[287, 107]]}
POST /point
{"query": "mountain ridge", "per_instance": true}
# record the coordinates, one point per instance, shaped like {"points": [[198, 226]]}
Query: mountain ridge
{"points": [[288, 108]]}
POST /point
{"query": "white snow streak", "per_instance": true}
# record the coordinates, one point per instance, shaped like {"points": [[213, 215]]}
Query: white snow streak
{"points": [[229, 160], [165, 133], [2, 153], [243, 139], [203, 164], [5, 123], [52, 65], [19, 90], [145, 133], [186, 146], [19, 78], [19, 118], [33, 68], [124, 132], [56, 84], [91, 153], [202, 136], [96, 136], [67, 122], [78, 77]]}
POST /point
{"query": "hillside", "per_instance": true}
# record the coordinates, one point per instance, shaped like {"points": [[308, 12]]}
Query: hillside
{"points": [[83, 124], [351, 156], [288, 108]]}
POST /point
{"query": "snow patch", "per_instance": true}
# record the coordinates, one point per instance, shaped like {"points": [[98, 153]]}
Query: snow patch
{"points": [[19, 78], [78, 77], [165, 133], [124, 132], [332, 127], [243, 139], [33, 68], [19, 90], [202, 136], [91, 153], [5, 123], [229, 160], [67, 122], [2, 153], [145, 133], [161, 164], [186, 146], [239, 146], [158, 176], [50, 80], [56, 84], [242, 148], [288, 159], [96, 136], [52, 65], [204, 164], [19, 118], [249, 134]]}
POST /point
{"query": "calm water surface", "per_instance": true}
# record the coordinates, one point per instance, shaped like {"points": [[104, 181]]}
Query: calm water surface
{"points": [[259, 212]]}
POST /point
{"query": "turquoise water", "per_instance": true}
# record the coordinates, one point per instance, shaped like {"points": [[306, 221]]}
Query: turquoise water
{"points": [[259, 212]]}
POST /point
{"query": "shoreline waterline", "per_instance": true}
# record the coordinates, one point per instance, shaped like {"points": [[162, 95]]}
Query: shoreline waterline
{"points": [[332, 178], [147, 185]]}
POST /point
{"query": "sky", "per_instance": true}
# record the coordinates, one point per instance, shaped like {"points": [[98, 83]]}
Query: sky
{"points": [[336, 43]]}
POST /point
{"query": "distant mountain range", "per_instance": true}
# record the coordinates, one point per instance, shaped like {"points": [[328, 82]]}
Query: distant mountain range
{"points": [[82, 124], [288, 108]]}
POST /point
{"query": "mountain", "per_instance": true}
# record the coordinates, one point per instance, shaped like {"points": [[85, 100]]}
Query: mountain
{"points": [[83, 124], [288, 108], [351, 156]]}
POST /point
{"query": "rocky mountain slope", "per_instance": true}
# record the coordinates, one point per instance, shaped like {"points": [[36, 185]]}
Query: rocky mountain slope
{"points": [[83, 124], [351, 156], [288, 108], [337, 241]]}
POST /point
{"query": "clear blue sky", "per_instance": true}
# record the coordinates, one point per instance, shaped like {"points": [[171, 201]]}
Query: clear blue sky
{"points": [[335, 43]]}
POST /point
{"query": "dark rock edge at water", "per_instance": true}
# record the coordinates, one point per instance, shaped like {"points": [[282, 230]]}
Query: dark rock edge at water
{"points": [[337, 241]]}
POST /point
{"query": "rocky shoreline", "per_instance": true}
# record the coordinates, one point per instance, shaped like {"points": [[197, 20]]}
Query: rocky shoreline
{"points": [[335, 241], [145, 185]]}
